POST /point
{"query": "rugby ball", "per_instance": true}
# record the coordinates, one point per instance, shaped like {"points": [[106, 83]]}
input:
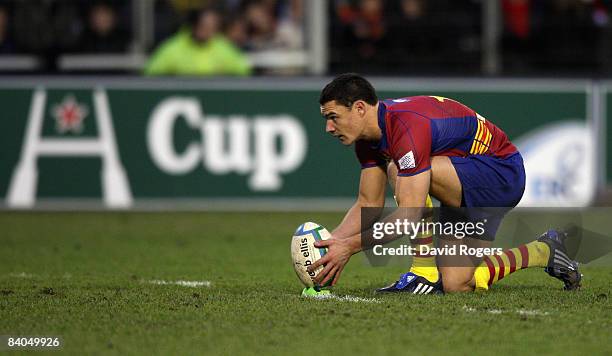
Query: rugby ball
{"points": [[304, 253]]}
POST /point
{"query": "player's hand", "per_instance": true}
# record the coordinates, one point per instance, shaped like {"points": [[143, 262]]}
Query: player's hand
{"points": [[338, 254]]}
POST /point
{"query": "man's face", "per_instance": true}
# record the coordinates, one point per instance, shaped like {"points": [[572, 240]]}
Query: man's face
{"points": [[207, 26], [342, 122]]}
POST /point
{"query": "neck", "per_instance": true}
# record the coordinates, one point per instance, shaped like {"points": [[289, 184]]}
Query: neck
{"points": [[372, 131]]}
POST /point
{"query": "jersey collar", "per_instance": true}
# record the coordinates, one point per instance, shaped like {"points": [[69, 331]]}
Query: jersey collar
{"points": [[382, 124]]}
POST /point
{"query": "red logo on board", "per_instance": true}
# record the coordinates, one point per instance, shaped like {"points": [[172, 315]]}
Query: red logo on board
{"points": [[69, 115]]}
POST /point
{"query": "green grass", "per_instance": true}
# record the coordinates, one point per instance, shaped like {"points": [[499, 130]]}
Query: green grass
{"points": [[85, 277]]}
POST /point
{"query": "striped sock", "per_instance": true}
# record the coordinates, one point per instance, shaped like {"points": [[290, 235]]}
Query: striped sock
{"points": [[424, 265], [494, 268]]}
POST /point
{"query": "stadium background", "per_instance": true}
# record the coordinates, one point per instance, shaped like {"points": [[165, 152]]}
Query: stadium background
{"points": [[112, 179], [472, 51]]}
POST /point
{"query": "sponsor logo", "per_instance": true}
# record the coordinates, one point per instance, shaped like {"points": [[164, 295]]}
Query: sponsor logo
{"points": [[263, 147], [69, 115], [559, 165], [407, 161]]}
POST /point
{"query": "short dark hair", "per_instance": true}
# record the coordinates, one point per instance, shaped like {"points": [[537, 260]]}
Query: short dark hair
{"points": [[194, 15], [347, 88]]}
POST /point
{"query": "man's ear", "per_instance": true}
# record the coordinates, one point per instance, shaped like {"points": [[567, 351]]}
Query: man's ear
{"points": [[360, 106]]}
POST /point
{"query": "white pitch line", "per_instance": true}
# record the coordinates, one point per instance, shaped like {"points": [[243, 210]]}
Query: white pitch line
{"points": [[499, 311], [21, 275], [531, 312], [346, 298], [192, 284]]}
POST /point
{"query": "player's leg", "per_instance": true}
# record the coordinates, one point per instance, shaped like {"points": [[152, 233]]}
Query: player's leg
{"points": [[424, 273], [460, 274], [491, 182], [445, 183], [547, 251], [457, 271], [465, 273], [423, 265]]}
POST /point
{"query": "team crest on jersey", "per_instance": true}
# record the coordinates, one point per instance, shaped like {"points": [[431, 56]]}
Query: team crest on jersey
{"points": [[407, 161], [69, 115]]}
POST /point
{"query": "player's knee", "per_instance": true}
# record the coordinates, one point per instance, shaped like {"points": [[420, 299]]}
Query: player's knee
{"points": [[454, 282], [456, 287]]}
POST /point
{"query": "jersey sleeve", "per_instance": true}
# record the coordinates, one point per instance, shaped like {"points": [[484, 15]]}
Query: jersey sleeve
{"points": [[368, 156], [410, 143]]}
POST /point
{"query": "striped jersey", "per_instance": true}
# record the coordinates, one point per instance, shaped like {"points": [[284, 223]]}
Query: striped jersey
{"points": [[416, 128]]}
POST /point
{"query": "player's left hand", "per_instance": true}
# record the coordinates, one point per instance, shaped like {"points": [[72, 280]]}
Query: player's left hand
{"points": [[338, 254]]}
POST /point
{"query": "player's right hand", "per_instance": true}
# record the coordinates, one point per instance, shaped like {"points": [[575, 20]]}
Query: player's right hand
{"points": [[337, 256]]}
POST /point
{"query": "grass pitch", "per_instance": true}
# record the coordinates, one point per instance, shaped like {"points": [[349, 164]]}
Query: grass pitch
{"points": [[96, 279]]}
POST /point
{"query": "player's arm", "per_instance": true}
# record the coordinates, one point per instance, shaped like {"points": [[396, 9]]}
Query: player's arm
{"points": [[411, 193], [410, 144], [347, 236], [372, 185]]}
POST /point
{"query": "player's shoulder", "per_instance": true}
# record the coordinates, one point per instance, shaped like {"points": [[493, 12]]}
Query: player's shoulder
{"points": [[419, 105], [426, 106], [405, 103], [406, 110]]}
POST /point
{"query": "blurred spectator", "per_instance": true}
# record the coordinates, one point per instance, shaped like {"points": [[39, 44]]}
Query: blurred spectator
{"points": [[549, 37], [273, 24], [406, 36], [33, 26], [199, 49], [235, 29], [516, 17], [171, 14], [6, 43], [424, 37], [516, 38], [261, 23], [361, 35], [289, 32], [412, 32], [46, 28], [251, 24], [103, 35]]}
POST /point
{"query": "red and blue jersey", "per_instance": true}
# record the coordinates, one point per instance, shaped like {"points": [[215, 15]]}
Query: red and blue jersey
{"points": [[416, 128]]}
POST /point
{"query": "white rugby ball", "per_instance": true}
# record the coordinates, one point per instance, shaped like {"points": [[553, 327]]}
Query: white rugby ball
{"points": [[303, 251]]}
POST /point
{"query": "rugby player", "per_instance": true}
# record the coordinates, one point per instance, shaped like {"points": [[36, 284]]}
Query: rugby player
{"points": [[428, 145]]}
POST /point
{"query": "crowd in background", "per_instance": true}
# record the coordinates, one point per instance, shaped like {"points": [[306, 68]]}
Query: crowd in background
{"points": [[48, 28], [421, 37], [445, 36], [557, 36], [405, 35]]}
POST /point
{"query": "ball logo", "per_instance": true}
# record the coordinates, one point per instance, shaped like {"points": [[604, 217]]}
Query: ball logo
{"points": [[304, 247]]}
